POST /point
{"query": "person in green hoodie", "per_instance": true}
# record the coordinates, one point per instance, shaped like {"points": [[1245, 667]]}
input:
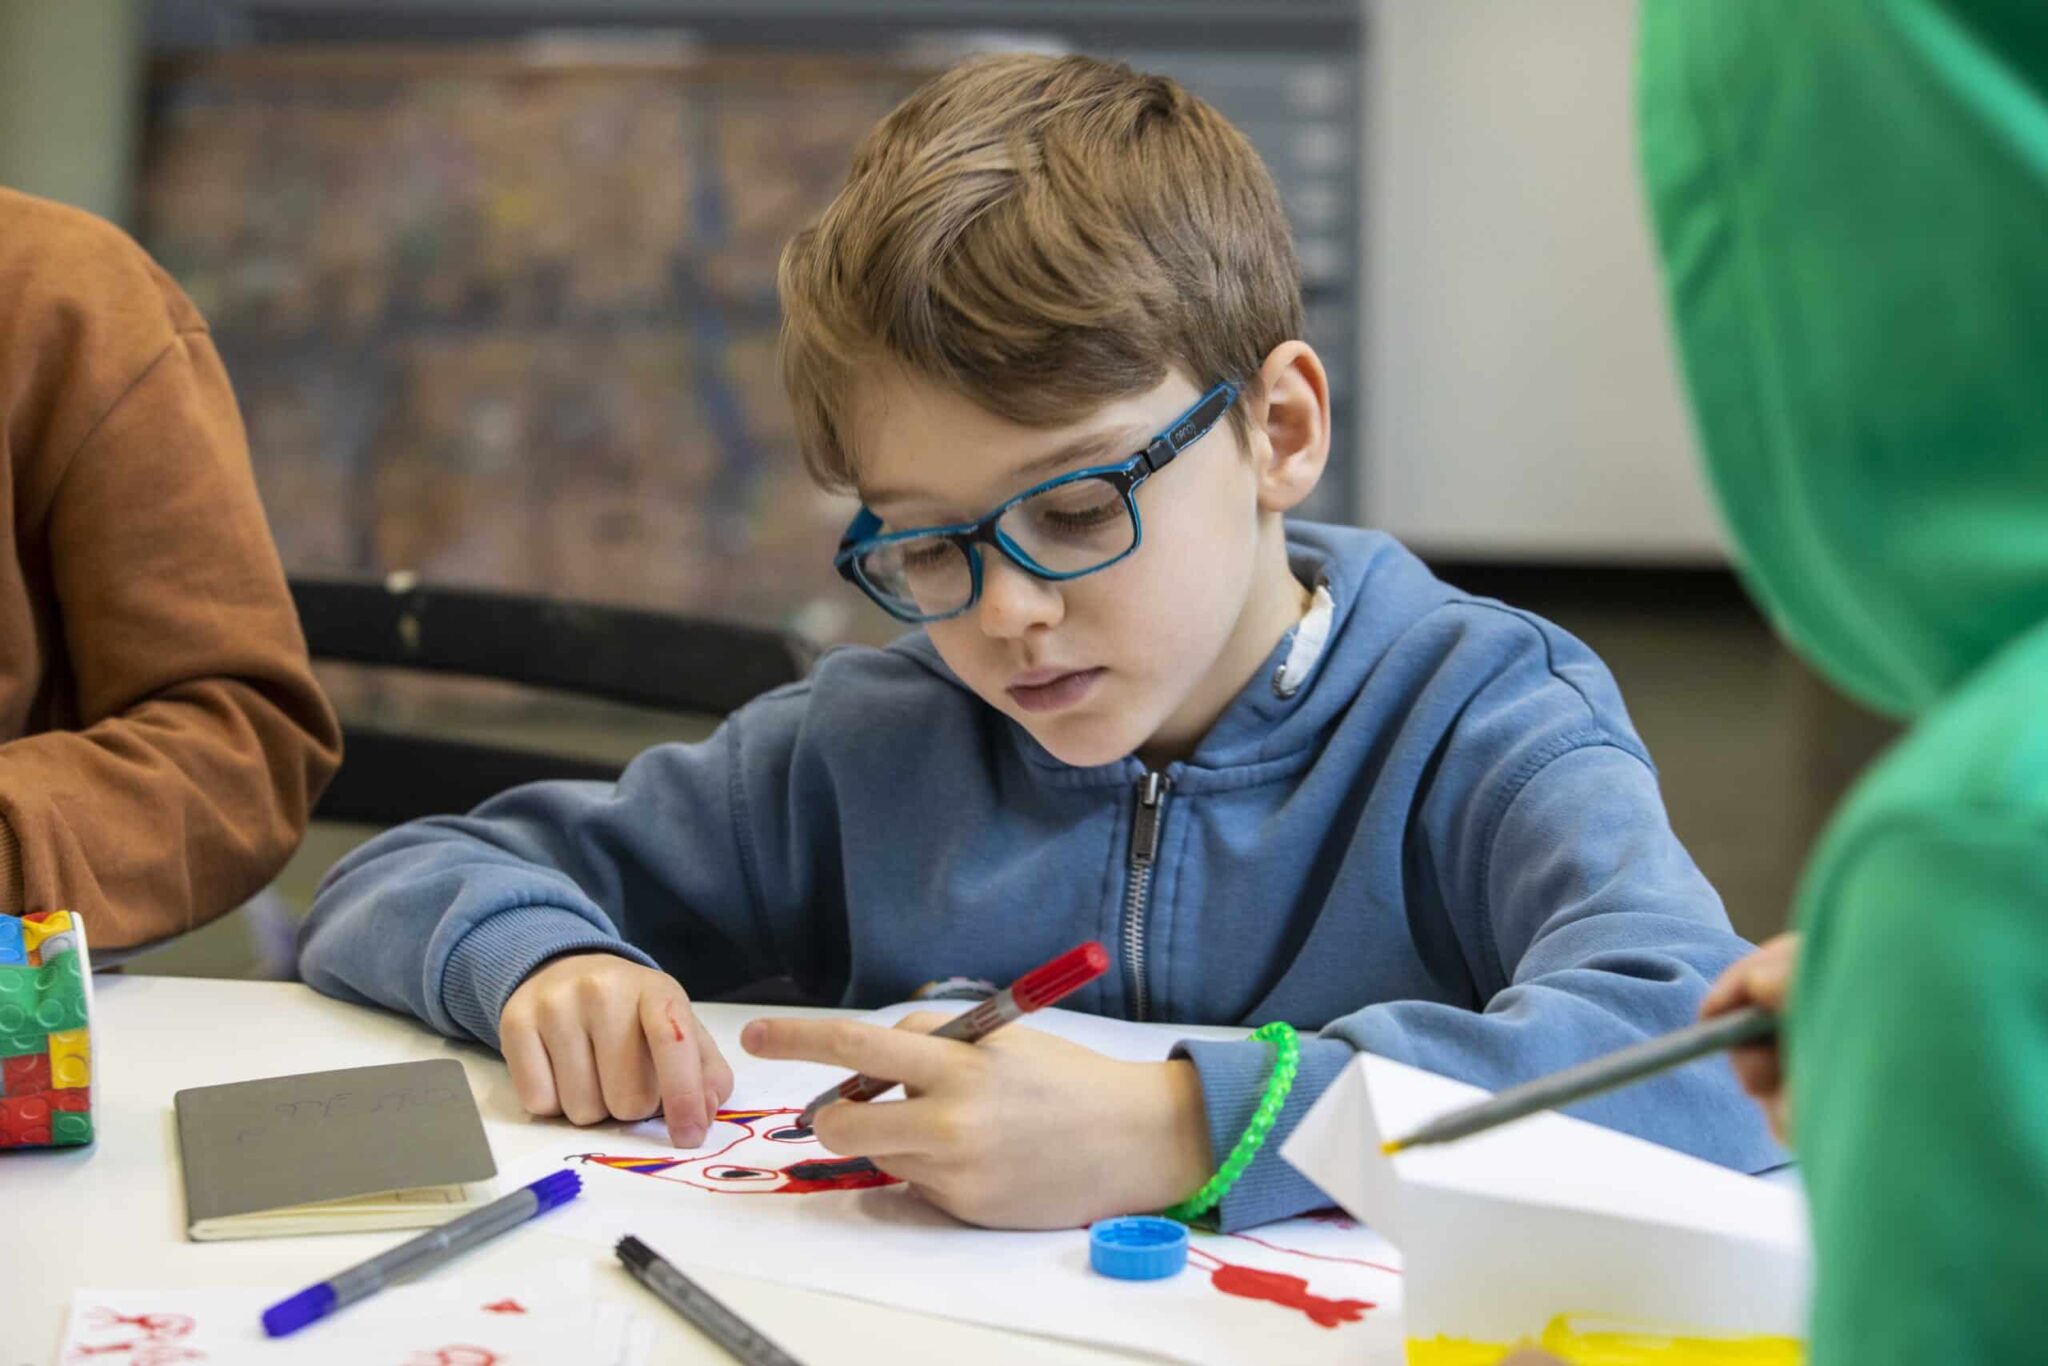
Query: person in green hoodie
{"points": [[1851, 198]]}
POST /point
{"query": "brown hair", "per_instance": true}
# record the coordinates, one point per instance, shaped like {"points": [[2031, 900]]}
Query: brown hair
{"points": [[1041, 235]]}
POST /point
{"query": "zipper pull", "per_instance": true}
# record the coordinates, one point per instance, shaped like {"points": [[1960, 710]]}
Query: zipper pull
{"points": [[1145, 830]]}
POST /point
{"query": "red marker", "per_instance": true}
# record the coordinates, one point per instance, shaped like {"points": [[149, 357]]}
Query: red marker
{"points": [[1035, 990]]}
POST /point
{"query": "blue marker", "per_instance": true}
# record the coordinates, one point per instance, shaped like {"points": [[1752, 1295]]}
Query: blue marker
{"points": [[429, 1250]]}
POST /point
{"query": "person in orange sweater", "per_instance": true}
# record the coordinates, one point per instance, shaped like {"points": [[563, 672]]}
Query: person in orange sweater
{"points": [[162, 740]]}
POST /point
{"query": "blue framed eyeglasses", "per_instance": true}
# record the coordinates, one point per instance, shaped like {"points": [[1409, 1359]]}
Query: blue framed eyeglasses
{"points": [[1064, 528]]}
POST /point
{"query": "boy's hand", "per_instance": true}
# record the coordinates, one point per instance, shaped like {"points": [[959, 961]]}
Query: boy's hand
{"points": [[595, 1036], [1763, 979], [1022, 1130]]}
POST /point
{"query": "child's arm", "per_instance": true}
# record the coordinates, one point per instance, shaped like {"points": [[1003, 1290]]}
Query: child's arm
{"points": [[178, 739], [1604, 933], [604, 886]]}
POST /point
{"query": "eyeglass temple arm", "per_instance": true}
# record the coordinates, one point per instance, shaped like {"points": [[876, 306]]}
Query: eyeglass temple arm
{"points": [[1192, 426], [863, 525]]}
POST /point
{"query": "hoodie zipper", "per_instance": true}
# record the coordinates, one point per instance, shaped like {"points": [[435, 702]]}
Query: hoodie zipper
{"points": [[1145, 818]]}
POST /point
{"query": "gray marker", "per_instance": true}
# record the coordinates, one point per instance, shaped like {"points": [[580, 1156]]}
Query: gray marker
{"points": [[695, 1303], [429, 1250], [1749, 1025]]}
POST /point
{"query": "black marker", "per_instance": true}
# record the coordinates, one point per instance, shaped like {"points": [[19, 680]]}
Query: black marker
{"points": [[696, 1304]]}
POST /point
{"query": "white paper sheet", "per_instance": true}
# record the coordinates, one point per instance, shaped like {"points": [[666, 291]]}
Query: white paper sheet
{"points": [[1549, 1216], [1305, 1290], [528, 1319]]}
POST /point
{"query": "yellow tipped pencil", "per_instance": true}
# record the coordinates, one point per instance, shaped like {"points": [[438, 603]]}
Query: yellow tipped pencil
{"points": [[1748, 1025]]}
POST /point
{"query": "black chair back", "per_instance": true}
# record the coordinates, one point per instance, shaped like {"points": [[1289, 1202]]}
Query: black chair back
{"points": [[690, 665]]}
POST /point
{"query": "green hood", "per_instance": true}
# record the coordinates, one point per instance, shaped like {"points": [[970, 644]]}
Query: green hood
{"points": [[1888, 497]]}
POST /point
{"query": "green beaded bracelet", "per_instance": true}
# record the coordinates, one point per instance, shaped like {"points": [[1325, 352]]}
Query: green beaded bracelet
{"points": [[1286, 1061]]}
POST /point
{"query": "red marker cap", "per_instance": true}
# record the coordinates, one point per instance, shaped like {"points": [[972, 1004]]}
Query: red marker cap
{"points": [[1069, 972]]}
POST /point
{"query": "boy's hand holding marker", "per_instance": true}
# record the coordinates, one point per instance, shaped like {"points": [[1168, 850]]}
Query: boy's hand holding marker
{"points": [[1023, 1130], [1764, 978], [593, 1036]]}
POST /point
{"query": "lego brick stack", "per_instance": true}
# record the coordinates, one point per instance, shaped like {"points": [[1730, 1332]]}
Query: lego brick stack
{"points": [[45, 1037]]}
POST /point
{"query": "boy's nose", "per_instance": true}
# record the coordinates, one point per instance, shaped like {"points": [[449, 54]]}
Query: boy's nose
{"points": [[1012, 601]]}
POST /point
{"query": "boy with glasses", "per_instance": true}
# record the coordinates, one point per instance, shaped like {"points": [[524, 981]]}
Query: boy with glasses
{"points": [[1049, 333]]}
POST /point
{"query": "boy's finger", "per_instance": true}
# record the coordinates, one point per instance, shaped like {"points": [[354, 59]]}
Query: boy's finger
{"points": [[1771, 981], [888, 1131], [1778, 1114], [575, 1071], [717, 1072], [1758, 1069], [625, 1069], [671, 1032], [895, 1054], [532, 1079], [1728, 992]]}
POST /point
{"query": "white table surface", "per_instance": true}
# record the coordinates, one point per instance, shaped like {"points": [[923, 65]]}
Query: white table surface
{"points": [[112, 1216]]}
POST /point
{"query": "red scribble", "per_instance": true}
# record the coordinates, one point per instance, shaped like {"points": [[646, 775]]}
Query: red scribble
{"points": [[461, 1354], [505, 1307], [672, 1022], [1317, 1256], [867, 1178], [156, 1327], [154, 1348], [1277, 1287]]}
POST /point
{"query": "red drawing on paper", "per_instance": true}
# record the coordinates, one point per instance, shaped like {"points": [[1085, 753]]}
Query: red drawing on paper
{"points": [[725, 1173], [744, 1167], [461, 1354], [1317, 1256], [155, 1327], [505, 1307], [157, 1345], [1289, 1292]]}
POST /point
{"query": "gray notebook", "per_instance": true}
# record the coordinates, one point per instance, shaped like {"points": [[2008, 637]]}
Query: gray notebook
{"points": [[397, 1146]]}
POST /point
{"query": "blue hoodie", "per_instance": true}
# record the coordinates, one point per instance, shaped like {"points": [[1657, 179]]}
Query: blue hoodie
{"points": [[1446, 847]]}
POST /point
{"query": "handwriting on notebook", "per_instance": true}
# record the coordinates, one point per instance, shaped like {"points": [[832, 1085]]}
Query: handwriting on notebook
{"points": [[321, 1108]]}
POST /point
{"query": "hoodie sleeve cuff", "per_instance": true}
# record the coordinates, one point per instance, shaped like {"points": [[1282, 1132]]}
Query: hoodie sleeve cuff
{"points": [[488, 964], [1234, 1077]]}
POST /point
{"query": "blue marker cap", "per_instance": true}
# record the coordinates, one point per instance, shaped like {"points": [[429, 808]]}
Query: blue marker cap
{"points": [[289, 1316], [1143, 1247], [555, 1188]]}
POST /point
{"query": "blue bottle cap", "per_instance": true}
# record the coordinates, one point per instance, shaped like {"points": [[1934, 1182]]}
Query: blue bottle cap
{"points": [[1142, 1247]]}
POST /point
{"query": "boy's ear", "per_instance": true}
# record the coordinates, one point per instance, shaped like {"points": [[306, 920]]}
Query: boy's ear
{"points": [[1295, 421]]}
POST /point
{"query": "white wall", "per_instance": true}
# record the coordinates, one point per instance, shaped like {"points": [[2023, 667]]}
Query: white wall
{"points": [[1520, 394], [70, 86]]}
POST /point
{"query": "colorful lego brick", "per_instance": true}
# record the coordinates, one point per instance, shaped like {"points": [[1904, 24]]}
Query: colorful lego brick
{"points": [[40, 925], [68, 1130], [60, 985], [25, 1122], [13, 943], [71, 1058], [18, 1034], [26, 1075]]}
